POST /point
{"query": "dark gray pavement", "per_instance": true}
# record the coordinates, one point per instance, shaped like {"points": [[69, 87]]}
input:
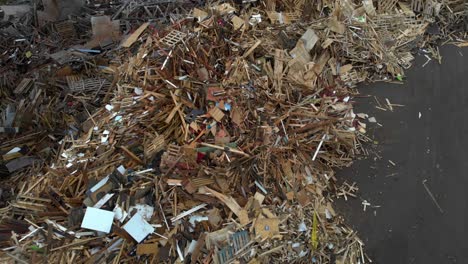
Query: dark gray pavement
{"points": [[408, 227]]}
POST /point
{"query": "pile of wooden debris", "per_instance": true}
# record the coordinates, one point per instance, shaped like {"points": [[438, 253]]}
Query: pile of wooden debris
{"points": [[218, 141]]}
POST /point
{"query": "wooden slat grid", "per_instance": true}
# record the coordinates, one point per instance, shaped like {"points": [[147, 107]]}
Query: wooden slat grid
{"points": [[79, 84], [390, 22], [406, 59], [173, 152], [173, 38], [386, 5], [216, 114], [24, 85], [417, 5], [237, 241], [429, 9], [30, 203], [351, 78], [170, 157], [156, 145]]}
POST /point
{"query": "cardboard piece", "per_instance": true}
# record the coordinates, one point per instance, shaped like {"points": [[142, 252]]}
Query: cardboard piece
{"points": [[147, 249], [267, 227]]}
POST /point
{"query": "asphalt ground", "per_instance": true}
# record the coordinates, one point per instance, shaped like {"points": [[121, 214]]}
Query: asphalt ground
{"points": [[427, 140]]}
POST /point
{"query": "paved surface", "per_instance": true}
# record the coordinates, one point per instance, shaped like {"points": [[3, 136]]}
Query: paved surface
{"points": [[408, 227]]}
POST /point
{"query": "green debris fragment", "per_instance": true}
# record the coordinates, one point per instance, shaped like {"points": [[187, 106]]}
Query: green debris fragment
{"points": [[37, 249], [399, 77], [361, 19]]}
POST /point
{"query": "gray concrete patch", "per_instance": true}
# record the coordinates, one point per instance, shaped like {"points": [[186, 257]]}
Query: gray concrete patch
{"points": [[409, 227]]}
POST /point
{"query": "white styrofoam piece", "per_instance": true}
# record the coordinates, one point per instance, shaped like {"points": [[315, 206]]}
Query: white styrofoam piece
{"points": [[98, 219], [144, 210], [138, 228], [99, 184], [103, 200]]}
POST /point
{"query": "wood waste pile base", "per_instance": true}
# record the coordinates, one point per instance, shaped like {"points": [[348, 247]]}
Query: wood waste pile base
{"points": [[208, 135]]}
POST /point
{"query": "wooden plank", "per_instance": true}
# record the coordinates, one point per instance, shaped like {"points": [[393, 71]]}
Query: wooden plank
{"points": [[134, 36]]}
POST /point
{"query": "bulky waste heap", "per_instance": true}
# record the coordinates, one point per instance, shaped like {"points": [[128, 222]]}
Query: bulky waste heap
{"points": [[210, 138]]}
